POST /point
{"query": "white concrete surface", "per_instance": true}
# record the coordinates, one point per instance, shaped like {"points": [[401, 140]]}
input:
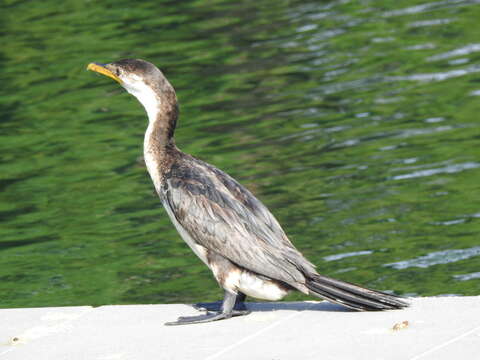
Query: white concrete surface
{"points": [[438, 328]]}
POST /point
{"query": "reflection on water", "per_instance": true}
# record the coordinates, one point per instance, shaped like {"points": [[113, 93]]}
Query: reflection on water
{"points": [[437, 257], [356, 123], [465, 277], [450, 169], [461, 51], [345, 255]]}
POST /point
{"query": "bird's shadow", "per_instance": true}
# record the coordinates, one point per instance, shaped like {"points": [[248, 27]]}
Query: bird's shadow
{"points": [[296, 306]]}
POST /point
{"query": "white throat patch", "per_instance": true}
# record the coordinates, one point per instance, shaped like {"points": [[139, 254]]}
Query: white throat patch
{"points": [[147, 98]]}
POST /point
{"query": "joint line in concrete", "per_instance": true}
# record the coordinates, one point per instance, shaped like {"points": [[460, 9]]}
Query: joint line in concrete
{"points": [[259, 332], [438, 347]]}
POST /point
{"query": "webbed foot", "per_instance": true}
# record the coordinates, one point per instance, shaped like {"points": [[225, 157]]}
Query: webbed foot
{"points": [[209, 317], [232, 305]]}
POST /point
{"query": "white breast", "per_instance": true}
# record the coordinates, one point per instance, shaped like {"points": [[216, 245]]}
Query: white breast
{"points": [[149, 157]]}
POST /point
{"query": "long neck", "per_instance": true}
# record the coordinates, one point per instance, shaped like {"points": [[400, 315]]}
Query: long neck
{"points": [[161, 127], [160, 102], [162, 119], [162, 110]]}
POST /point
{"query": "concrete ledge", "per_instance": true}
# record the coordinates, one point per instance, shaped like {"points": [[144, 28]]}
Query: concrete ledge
{"points": [[432, 328]]}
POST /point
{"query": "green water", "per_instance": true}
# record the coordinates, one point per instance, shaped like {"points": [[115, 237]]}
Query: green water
{"points": [[356, 122]]}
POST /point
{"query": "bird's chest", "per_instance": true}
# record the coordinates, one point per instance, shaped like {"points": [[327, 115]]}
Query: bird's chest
{"points": [[152, 156], [152, 163]]}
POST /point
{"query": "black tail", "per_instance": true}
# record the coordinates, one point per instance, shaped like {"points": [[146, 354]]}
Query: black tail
{"points": [[351, 295]]}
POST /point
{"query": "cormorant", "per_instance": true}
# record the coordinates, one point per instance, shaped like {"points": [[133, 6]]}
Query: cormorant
{"points": [[229, 229]]}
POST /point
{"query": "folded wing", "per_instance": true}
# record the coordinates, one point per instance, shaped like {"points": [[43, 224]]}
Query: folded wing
{"points": [[223, 216]]}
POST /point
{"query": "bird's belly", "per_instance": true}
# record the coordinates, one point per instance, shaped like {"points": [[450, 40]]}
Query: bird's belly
{"points": [[199, 250], [257, 287]]}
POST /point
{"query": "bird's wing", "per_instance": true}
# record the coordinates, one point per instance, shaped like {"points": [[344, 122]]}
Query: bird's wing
{"points": [[223, 216]]}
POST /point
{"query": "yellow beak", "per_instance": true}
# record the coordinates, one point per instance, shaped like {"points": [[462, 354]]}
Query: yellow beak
{"points": [[104, 71]]}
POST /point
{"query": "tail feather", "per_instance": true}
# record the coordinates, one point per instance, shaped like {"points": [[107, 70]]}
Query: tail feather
{"points": [[351, 295]]}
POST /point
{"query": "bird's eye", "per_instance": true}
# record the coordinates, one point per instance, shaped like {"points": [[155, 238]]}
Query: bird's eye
{"points": [[117, 72]]}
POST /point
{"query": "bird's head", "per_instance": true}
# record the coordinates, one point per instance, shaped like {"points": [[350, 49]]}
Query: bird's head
{"points": [[141, 79]]}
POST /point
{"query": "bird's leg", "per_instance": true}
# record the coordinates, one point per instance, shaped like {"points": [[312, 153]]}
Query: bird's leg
{"points": [[227, 312], [217, 305]]}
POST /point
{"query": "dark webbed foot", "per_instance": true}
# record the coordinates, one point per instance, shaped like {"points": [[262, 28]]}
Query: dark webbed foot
{"points": [[232, 305], [209, 317]]}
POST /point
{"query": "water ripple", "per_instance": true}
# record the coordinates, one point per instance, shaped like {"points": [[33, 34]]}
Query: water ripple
{"points": [[433, 22], [440, 76], [460, 61], [426, 46], [464, 277], [449, 222], [423, 8], [438, 257], [415, 132], [464, 50], [345, 255], [450, 169]]}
